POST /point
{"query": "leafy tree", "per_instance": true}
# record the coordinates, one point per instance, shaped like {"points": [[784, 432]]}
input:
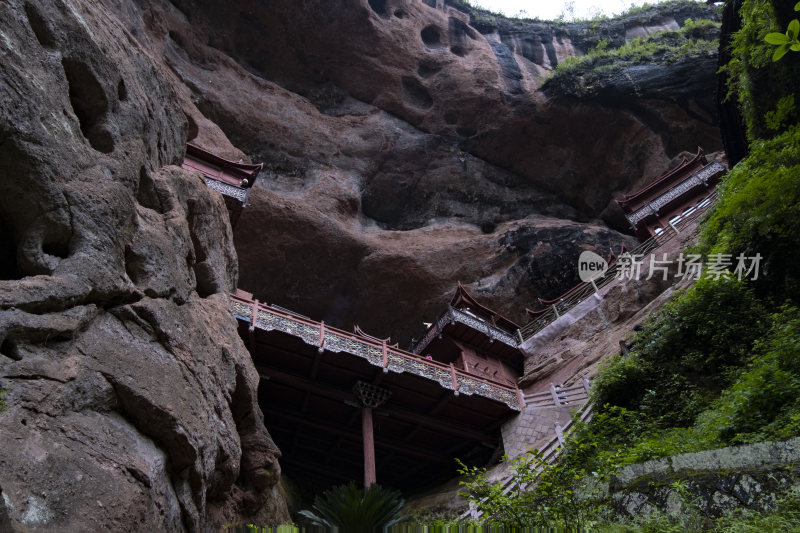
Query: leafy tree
{"points": [[350, 509]]}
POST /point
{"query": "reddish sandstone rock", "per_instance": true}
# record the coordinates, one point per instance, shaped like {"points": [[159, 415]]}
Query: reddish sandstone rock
{"points": [[387, 122], [405, 150], [132, 400]]}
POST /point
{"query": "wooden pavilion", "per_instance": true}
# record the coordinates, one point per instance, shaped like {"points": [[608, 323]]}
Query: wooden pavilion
{"points": [[233, 179], [475, 339], [677, 193], [341, 404]]}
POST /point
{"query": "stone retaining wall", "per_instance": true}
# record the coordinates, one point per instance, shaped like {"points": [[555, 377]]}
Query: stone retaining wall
{"points": [[710, 482]]}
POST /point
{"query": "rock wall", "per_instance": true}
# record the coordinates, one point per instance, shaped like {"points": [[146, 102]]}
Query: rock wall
{"points": [[131, 399], [407, 151], [752, 477], [533, 428]]}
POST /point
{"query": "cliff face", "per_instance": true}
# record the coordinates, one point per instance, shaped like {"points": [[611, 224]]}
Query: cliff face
{"points": [[132, 401], [408, 151], [407, 147]]}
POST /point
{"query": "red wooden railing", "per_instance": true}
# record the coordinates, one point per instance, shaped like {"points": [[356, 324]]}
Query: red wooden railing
{"points": [[390, 358]]}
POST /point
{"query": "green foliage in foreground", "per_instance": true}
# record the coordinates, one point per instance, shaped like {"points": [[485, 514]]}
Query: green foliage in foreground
{"points": [[755, 81], [356, 510], [720, 364], [685, 354], [785, 41], [3, 405], [567, 497], [561, 494]]}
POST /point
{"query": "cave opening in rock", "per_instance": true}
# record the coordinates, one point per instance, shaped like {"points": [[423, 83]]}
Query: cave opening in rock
{"points": [[416, 94], [90, 104], [9, 270], [9, 349], [122, 91], [431, 35], [56, 249], [39, 26], [458, 50], [427, 69], [378, 6]]}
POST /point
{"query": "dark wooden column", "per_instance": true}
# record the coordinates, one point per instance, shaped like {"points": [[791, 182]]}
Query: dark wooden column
{"points": [[370, 398], [370, 474]]}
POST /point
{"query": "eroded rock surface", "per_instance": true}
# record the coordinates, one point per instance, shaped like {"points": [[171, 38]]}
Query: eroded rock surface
{"points": [[131, 399], [409, 147]]}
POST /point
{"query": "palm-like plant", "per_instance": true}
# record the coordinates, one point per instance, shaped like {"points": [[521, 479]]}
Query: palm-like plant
{"points": [[354, 510]]}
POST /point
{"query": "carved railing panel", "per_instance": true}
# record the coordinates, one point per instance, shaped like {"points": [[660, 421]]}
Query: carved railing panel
{"points": [[396, 360]]}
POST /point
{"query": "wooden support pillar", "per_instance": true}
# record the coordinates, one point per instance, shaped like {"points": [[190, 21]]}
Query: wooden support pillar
{"points": [[370, 397], [369, 447]]}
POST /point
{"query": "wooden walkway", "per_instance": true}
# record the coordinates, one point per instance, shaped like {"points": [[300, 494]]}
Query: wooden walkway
{"points": [[377, 352], [614, 273]]}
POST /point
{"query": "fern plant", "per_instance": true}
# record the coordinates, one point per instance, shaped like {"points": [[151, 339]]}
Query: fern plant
{"points": [[350, 509]]}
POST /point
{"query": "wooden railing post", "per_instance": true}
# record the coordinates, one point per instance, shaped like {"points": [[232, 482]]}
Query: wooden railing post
{"points": [[455, 379], [251, 330], [554, 392], [254, 316], [385, 357], [321, 345], [559, 433]]}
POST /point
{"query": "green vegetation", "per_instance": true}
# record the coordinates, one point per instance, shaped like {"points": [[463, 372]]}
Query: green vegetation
{"points": [[564, 493], [720, 364], [759, 212], [3, 405], [581, 75], [785, 41], [755, 81], [356, 510]]}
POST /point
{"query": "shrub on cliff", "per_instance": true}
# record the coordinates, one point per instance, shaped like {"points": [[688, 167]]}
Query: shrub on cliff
{"points": [[685, 354], [583, 75], [759, 212]]}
